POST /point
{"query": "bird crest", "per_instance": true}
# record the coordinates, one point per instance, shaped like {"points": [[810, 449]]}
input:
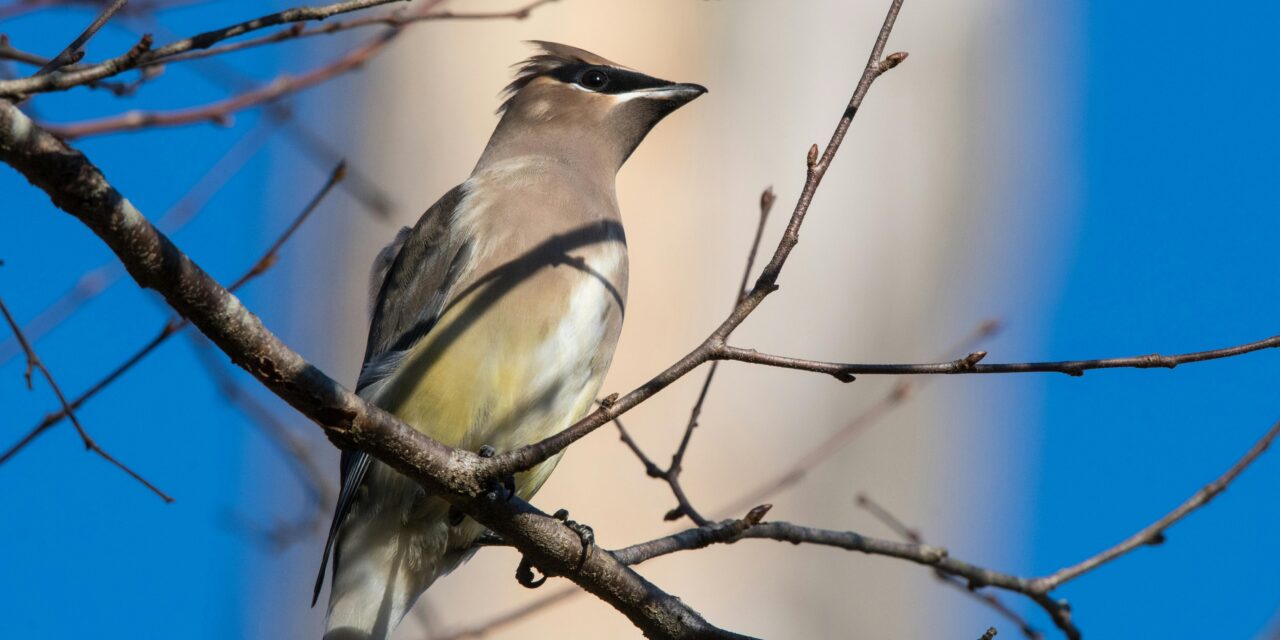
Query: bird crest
{"points": [[550, 57]]}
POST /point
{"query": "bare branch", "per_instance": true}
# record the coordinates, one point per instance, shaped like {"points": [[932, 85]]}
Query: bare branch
{"points": [[221, 111], [671, 475], [398, 18], [200, 45], [73, 51], [314, 146], [143, 53], [702, 536], [989, 599], [34, 363], [970, 363]]}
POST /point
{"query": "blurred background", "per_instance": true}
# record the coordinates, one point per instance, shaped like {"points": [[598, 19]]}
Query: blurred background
{"points": [[1098, 177]]}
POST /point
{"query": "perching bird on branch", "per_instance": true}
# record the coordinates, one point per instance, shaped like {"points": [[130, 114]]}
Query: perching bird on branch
{"points": [[494, 320]]}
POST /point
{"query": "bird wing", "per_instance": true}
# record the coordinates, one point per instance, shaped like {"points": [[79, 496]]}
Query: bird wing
{"points": [[412, 278]]}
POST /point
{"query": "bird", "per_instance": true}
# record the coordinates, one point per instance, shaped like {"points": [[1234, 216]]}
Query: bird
{"points": [[493, 320]]}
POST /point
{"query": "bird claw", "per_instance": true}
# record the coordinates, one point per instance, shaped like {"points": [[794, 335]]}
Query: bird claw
{"points": [[524, 575], [524, 572], [586, 533], [500, 490]]}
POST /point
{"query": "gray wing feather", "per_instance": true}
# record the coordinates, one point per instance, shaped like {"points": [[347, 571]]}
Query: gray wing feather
{"points": [[409, 287]]}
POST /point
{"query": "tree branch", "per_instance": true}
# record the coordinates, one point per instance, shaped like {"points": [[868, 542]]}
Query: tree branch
{"points": [[143, 53], [970, 363], [72, 52], [34, 363]]}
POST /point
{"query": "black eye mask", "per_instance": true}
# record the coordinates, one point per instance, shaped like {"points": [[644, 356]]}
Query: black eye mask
{"points": [[601, 79]]}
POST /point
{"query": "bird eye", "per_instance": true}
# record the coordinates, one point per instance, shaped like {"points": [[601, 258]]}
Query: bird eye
{"points": [[594, 79]]}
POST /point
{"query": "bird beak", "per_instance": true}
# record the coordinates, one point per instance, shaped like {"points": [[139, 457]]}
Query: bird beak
{"points": [[677, 94]]}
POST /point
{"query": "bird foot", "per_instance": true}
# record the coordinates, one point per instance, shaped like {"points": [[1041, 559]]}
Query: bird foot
{"points": [[499, 490], [503, 489], [586, 533], [524, 572]]}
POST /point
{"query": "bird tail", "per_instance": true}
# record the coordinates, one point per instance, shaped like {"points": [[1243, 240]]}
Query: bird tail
{"points": [[374, 586]]}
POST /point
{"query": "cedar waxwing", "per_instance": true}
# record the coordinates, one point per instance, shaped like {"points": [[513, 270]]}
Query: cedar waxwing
{"points": [[494, 320]]}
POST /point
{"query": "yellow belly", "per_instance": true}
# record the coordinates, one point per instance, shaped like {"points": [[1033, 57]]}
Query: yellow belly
{"points": [[509, 368]]}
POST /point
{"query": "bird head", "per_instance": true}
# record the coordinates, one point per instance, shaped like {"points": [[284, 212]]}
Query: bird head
{"points": [[580, 99]]}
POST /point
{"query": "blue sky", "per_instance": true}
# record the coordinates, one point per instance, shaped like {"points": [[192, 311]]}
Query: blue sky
{"points": [[1171, 249], [77, 530], [1174, 251]]}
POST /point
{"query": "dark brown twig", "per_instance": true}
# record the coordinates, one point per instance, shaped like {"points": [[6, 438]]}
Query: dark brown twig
{"points": [[34, 363], [72, 53], [312, 145], [398, 18], [970, 363], [203, 44], [671, 475], [222, 110], [143, 53]]}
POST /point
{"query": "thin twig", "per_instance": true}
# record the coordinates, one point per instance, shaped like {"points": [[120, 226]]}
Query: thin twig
{"points": [[671, 475], [989, 599], [398, 18], [221, 111], [175, 324], [204, 41], [143, 52], [73, 53], [970, 363], [313, 146], [34, 363], [902, 390]]}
